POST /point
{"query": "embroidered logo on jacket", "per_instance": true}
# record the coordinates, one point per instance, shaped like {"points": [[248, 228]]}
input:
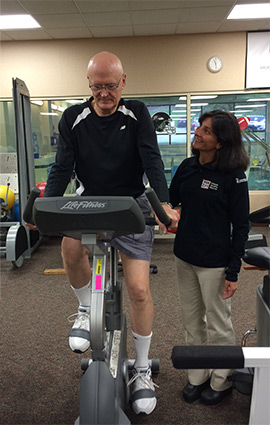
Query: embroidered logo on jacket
{"points": [[240, 180], [207, 184]]}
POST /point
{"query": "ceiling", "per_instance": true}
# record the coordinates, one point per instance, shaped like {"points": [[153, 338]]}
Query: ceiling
{"points": [[69, 19]]}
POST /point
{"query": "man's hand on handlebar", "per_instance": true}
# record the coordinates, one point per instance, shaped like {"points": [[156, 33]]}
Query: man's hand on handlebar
{"points": [[173, 215]]}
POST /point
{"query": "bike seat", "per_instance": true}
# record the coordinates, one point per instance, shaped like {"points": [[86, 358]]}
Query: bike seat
{"points": [[259, 257], [104, 216], [261, 216]]}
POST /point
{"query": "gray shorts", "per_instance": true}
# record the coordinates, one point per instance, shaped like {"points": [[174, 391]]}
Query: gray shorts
{"points": [[139, 245]]}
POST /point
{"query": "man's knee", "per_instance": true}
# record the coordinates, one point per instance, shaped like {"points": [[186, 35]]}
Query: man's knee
{"points": [[73, 251], [140, 293]]}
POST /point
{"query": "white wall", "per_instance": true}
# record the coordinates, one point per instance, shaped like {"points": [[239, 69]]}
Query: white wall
{"points": [[154, 65]]}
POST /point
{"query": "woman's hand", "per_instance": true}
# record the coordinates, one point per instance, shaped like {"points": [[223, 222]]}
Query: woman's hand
{"points": [[229, 290], [173, 215]]}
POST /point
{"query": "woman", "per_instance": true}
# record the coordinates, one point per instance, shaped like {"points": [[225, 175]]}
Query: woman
{"points": [[211, 188]]}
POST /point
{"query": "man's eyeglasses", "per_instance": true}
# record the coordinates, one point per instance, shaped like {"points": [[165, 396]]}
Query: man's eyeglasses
{"points": [[108, 87]]}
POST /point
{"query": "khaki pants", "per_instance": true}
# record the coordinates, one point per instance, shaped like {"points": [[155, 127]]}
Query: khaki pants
{"points": [[206, 316]]}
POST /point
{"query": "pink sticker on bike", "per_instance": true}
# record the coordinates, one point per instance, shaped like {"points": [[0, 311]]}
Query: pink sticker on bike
{"points": [[98, 282]]}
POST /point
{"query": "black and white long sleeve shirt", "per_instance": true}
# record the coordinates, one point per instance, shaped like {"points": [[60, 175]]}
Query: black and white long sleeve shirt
{"points": [[109, 154]]}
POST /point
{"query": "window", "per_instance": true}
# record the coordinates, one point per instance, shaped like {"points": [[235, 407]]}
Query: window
{"points": [[184, 111], [256, 106]]}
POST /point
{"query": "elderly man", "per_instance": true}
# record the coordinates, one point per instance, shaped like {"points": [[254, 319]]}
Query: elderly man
{"points": [[111, 143]]}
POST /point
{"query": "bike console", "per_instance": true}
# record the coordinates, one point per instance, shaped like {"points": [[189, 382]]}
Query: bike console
{"points": [[105, 216]]}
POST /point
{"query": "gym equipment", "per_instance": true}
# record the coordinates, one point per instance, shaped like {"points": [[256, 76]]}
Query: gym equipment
{"points": [[7, 198], [233, 357], [96, 220], [17, 241], [261, 216], [41, 186], [259, 257], [252, 364]]}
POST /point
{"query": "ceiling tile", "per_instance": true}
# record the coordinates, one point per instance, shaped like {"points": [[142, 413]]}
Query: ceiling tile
{"points": [[60, 21], [119, 18], [209, 3], [5, 37], [197, 27], [70, 33], [160, 29], [123, 31], [110, 19], [49, 6], [37, 34], [254, 25], [102, 6], [10, 7], [155, 5], [155, 17], [251, 1], [204, 14]]}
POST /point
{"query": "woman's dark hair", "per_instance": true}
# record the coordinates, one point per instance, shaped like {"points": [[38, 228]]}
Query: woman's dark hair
{"points": [[232, 154]]}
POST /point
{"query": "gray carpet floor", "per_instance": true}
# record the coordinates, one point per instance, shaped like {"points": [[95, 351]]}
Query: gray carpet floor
{"points": [[40, 376]]}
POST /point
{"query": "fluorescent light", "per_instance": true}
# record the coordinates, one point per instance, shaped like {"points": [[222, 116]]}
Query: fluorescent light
{"points": [[243, 110], [199, 104], [180, 106], [57, 108], [37, 102], [251, 106], [48, 113], [72, 101], [260, 99], [250, 11], [203, 97], [12, 22], [212, 96]]}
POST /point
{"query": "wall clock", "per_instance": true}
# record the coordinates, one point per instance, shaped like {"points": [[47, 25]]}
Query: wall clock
{"points": [[215, 64]]}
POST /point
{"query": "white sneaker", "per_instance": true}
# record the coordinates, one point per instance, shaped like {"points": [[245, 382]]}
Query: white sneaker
{"points": [[144, 399], [79, 335]]}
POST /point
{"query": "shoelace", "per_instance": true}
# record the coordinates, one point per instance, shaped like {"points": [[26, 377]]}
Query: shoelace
{"points": [[83, 317], [146, 378]]}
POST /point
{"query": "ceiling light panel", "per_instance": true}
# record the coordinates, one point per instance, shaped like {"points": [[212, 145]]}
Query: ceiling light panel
{"points": [[8, 22], [250, 11]]}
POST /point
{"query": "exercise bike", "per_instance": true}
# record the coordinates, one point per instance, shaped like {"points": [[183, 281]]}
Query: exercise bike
{"points": [[104, 392], [258, 257]]}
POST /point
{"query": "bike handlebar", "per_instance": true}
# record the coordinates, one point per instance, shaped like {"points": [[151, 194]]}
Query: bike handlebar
{"points": [[28, 211], [157, 207], [150, 193]]}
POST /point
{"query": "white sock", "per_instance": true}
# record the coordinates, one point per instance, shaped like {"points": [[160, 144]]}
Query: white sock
{"points": [[142, 346], [83, 294]]}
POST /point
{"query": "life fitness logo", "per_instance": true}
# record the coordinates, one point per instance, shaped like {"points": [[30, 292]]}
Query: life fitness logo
{"points": [[84, 205], [207, 184]]}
